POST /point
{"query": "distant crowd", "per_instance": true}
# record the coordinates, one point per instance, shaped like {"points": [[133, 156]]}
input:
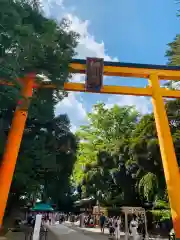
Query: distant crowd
{"points": [[115, 224]]}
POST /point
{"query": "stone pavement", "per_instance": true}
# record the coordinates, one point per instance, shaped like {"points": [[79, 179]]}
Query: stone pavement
{"points": [[55, 232], [95, 233], [62, 232]]}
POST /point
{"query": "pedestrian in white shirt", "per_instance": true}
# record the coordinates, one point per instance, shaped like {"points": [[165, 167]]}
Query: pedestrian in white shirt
{"points": [[117, 227], [134, 228]]}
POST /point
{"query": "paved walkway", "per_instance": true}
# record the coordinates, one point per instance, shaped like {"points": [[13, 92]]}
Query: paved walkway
{"points": [[69, 231], [65, 231], [62, 232], [94, 230], [95, 233]]}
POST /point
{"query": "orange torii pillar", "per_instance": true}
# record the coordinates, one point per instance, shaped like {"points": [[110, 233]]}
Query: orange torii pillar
{"points": [[13, 143], [170, 165]]}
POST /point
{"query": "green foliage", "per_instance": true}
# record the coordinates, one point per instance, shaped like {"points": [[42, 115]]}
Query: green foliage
{"points": [[119, 159], [161, 204], [173, 55], [107, 128], [101, 143], [161, 210], [173, 52], [30, 42], [161, 215], [148, 186]]}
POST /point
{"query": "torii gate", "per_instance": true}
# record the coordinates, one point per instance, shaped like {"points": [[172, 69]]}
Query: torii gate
{"points": [[95, 69]]}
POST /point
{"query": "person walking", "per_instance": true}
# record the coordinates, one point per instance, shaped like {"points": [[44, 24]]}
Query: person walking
{"points": [[111, 228], [134, 227], [117, 227], [102, 220]]}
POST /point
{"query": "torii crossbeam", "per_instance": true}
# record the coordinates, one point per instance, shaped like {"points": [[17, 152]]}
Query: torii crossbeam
{"points": [[95, 69]]}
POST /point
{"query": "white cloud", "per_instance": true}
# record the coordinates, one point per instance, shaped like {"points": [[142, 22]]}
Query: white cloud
{"points": [[175, 85], [74, 109], [47, 5], [142, 104], [87, 47]]}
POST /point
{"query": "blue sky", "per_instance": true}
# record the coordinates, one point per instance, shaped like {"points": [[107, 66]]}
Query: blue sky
{"points": [[123, 30]]}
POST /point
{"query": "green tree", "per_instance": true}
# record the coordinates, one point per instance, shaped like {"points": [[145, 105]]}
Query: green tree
{"points": [[30, 42], [121, 164], [145, 150], [98, 164], [107, 128], [173, 53]]}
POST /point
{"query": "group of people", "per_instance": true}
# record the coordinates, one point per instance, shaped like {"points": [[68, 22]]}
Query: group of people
{"points": [[46, 218], [114, 224], [89, 221]]}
